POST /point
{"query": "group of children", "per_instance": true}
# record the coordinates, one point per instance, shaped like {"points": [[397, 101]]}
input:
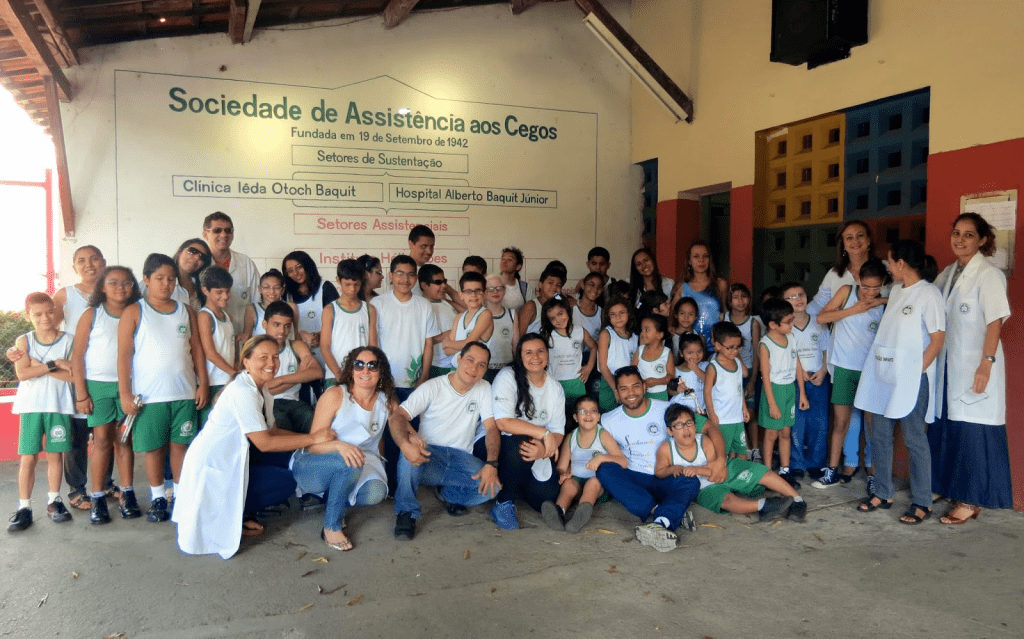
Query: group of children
{"points": [[138, 352]]}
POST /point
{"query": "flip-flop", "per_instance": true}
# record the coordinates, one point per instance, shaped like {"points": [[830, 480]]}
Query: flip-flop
{"points": [[342, 546], [252, 528], [80, 501]]}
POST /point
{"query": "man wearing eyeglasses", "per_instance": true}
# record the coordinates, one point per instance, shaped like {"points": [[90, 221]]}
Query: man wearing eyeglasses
{"points": [[219, 232]]}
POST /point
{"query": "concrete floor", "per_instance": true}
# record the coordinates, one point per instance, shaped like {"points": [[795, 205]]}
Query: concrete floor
{"points": [[840, 574]]}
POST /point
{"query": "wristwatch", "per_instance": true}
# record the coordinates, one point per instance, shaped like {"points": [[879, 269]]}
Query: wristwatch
{"points": [[991, 358], [491, 463], [52, 366]]}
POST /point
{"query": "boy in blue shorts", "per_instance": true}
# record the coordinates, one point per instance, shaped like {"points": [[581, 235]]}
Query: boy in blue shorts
{"points": [[688, 453], [45, 404], [723, 388], [780, 367]]}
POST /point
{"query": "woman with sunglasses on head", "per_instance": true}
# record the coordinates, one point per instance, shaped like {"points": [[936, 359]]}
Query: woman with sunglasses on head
{"points": [[221, 486], [373, 278], [349, 470], [191, 258]]}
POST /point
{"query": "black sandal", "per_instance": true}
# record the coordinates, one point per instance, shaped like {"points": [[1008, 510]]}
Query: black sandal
{"points": [[912, 515], [867, 507]]}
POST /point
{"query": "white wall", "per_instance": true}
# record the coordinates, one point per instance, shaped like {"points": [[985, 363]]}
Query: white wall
{"points": [[543, 64]]}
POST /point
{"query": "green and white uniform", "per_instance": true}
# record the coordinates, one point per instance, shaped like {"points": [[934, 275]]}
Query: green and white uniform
{"points": [[349, 330], [655, 368], [45, 403], [782, 374], [101, 368]]}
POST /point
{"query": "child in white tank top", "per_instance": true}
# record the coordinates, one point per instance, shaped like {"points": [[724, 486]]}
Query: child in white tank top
{"points": [[503, 334], [653, 359], [348, 322], [581, 453], [216, 331], [475, 324]]}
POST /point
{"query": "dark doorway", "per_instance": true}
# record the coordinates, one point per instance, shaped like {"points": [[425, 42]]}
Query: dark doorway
{"points": [[714, 227]]}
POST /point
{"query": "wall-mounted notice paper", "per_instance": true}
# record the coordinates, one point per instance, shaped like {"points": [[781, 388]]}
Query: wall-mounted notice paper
{"points": [[1003, 218]]}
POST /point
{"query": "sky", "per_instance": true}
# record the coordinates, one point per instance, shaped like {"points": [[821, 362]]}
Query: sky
{"points": [[26, 152]]}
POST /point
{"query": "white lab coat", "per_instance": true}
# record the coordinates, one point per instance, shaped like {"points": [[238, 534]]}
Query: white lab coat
{"points": [[978, 299], [891, 379], [215, 473]]}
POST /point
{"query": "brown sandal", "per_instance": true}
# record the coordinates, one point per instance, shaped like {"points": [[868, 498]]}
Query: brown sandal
{"points": [[950, 520], [251, 528]]}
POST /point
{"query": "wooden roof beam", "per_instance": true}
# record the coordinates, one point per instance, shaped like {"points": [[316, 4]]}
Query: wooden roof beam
{"points": [[57, 133], [236, 20], [397, 11], [18, 19], [635, 51], [59, 37]]}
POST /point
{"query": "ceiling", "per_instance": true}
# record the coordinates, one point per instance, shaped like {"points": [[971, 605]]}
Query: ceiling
{"points": [[40, 38]]}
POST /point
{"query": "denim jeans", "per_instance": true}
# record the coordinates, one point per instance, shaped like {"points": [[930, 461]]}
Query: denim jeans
{"points": [[810, 430], [268, 486], [328, 473], [640, 492], [915, 434], [851, 445], [451, 468], [391, 450]]}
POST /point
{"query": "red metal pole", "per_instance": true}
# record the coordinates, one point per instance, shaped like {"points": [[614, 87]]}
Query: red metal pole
{"points": [[51, 274]]}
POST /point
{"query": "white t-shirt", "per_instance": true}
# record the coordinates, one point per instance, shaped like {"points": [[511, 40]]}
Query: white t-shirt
{"points": [[548, 401], [809, 343], [639, 437], [449, 418], [444, 314], [403, 328]]}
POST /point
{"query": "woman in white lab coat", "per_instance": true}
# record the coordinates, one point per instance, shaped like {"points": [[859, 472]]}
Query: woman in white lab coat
{"points": [[898, 382], [970, 459], [218, 485]]}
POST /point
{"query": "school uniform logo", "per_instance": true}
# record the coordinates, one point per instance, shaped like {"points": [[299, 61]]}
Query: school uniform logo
{"points": [[815, 337], [58, 434], [245, 295], [744, 476], [907, 310], [471, 408], [873, 327], [182, 329], [505, 332], [362, 331], [543, 415], [575, 346], [311, 315], [652, 428], [291, 368], [965, 308], [187, 429], [375, 427]]}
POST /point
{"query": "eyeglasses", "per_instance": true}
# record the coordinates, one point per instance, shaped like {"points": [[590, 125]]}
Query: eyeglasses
{"points": [[871, 288], [679, 425], [406, 274], [217, 230], [494, 289], [472, 291], [588, 411], [439, 282], [271, 287], [373, 366], [120, 283], [796, 297], [191, 250]]}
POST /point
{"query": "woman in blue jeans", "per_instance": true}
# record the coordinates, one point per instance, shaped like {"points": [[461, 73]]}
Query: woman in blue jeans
{"points": [[898, 381], [349, 470]]}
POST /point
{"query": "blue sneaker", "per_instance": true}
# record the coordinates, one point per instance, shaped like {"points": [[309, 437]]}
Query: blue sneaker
{"points": [[504, 515]]}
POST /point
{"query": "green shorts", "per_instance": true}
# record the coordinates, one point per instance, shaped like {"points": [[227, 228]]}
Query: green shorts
{"points": [[33, 426], [156, 424], [844, 386], [742, 479], [204, 414], [602, 498], [735, 436], [573, 388], [663, 395], [785, 399], [606, 397], [106, 403]]}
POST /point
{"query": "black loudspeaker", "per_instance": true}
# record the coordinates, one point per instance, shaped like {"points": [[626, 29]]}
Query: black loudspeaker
{"points": [[817, 31]]}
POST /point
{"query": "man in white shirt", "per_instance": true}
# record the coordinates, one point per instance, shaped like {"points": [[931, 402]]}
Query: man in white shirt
{"points": [[441, 453], [639, 428], [219, 233]]}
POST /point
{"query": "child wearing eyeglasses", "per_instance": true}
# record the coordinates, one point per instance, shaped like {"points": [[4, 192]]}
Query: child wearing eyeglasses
{"points": [[433, 285], [271, 290], [475, 324], [688, 453], [504, 320], [582, 452], [347, 323], [723, 388]]}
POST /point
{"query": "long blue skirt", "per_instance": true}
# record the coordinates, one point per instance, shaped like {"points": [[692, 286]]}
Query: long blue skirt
{"points": [[970, 462]]}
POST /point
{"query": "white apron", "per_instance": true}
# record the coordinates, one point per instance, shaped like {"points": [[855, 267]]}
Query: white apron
{"points": [[215, 473], [978, 298], [891, 379]]}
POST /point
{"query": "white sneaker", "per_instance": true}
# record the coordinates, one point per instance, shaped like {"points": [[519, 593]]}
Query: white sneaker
{"points": [[656, 536]]}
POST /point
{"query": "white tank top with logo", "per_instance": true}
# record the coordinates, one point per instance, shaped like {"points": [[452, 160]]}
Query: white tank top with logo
{"points": [[257, 327], [590, 323], [310, 317], [162, 368], [566, 355], [781, 360], [700, 459], [500, 342], [620, 350], [654, 368], [727, 393], [289, 364], [853, 335], [224, 343], [463, 327], [747, 331], [45, 394], [580, 456], [350, 329], [534, 326], [101, 355]]}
